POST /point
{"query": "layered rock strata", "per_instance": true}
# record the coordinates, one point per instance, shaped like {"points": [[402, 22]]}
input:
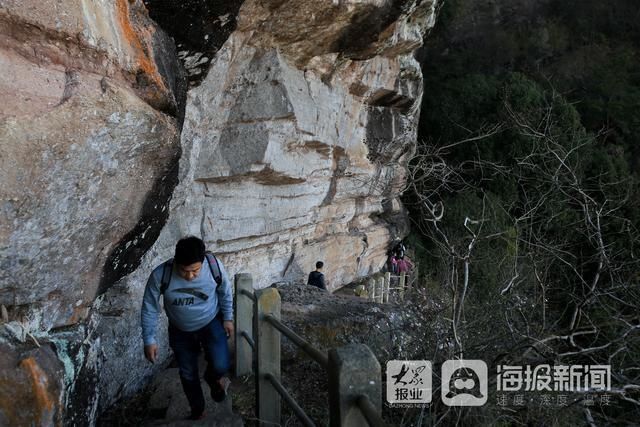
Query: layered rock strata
{"points": [[296, 141]]}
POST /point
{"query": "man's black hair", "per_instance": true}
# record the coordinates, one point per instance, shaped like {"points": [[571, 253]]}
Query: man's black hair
{"points": [[319, 264], [189, 251]]}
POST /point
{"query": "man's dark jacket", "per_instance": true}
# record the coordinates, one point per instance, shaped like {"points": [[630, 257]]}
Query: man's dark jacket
{"points": [[317, 279]]}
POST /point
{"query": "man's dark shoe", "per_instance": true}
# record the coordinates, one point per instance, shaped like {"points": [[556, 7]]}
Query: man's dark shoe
{"points": [[219, 389]]}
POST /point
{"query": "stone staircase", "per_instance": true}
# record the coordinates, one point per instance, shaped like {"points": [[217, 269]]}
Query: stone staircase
{"points": [[168, 398]]}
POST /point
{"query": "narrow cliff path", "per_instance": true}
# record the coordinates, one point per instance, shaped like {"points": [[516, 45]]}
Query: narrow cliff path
{"points": [[163, 403], [167, 397], [325, 320]]}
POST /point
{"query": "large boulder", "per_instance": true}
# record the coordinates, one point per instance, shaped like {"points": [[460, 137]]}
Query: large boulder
{"points": [[93, 96], [31, 386], [88, 157]]}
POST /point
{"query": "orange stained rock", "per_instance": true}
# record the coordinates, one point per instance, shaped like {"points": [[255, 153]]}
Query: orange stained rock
{"points": [[143, 62], [79, 314], [45, 404]]}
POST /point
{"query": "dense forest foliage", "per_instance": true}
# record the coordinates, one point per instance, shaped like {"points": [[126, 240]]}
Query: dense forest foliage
{"points": [[525, 193]]}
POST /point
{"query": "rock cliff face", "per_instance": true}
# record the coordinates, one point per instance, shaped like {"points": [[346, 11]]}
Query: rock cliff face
{"points": [[294, 144], [88, 136], [292, 148]]}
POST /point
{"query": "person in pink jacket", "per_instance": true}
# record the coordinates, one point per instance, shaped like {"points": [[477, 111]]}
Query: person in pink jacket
{"points": [[404, 266]]}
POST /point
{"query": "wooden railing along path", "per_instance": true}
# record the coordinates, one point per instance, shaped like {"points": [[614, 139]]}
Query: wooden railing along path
{"points": [[379, 286], [353, 372]]}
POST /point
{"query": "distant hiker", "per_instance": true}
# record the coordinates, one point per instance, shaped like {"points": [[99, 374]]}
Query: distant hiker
{"points": [[199, 305], [393, 263], [316, 278], [399, 249], [404, 266]]}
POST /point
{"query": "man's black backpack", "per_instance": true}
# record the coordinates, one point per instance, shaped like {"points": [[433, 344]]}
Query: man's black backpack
{"points": [[167, 270]]}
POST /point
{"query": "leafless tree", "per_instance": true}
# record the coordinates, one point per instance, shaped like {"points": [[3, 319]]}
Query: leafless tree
{"points": [[568, 291]]}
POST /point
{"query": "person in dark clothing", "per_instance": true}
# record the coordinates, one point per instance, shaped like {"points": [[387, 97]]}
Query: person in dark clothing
{"points": [[399, 250], [316, 278]]}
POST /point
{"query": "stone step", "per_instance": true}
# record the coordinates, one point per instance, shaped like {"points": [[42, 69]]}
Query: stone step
{"points": [[169, 399]]}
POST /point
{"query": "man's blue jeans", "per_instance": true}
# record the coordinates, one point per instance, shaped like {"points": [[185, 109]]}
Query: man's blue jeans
{"points": [[186, 348]]}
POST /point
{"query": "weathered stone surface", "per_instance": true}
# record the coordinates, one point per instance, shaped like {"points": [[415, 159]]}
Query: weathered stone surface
{"points": [[167, 397], [115, 39], [282, 169], [304, 29], [31, 387], [75, 179], [282, 166], [86, 163], [293, 149], [199, 27], [84, 152]]}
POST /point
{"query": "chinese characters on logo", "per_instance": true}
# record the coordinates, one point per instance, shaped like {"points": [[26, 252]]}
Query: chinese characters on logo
{"points": [[554, 378], [408, 381], [465, 383]]}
